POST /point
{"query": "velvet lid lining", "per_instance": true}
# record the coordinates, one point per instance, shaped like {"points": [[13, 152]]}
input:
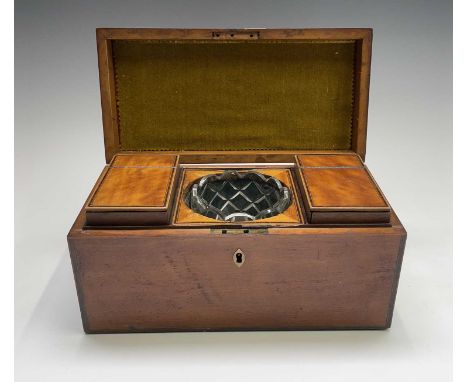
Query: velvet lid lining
{"points": [[234, 95]]}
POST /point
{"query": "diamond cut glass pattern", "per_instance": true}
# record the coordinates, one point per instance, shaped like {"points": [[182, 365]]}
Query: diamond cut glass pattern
{"points": [[238, 196]]}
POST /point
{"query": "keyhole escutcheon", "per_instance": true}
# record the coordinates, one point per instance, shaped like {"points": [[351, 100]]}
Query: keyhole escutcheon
{"points": [[239, 258]]}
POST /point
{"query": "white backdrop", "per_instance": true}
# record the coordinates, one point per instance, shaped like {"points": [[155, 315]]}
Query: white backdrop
{"points": [[59, 154]]}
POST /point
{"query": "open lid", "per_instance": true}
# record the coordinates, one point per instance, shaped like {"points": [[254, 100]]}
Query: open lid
{"points": [[248, 89]]}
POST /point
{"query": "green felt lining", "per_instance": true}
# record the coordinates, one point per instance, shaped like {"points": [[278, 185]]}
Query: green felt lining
{"points": [[234, 95]]}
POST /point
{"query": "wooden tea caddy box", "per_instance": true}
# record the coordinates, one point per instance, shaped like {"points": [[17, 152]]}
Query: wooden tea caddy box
{"points": [[181, 104]]}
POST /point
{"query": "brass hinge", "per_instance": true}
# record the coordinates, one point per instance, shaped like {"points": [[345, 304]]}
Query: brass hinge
{"points": [[236, 35], [239, 231]]}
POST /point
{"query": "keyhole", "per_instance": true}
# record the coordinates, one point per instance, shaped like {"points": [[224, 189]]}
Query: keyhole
{"points": [[238, 258]]}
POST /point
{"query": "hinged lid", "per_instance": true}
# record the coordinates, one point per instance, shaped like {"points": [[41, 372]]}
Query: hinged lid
{"points": [[211, 89]]}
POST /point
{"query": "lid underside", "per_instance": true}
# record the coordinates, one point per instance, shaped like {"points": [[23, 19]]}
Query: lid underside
{"points": [[234, 95]]}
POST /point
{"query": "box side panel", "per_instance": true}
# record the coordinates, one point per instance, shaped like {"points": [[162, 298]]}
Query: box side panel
{"points": [[396, 278], [74, 250], [186, 281]]}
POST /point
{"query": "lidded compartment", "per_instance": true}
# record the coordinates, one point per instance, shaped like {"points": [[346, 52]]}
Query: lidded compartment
{"points": [[134, 190], [339, 189]]}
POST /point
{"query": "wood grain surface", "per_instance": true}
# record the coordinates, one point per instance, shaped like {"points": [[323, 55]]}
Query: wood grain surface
{"points": [[342, 187], [135, 190], [144, 160], [339, 189], [173, 280], [134, 187], [136, 181], [329, 160]]}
